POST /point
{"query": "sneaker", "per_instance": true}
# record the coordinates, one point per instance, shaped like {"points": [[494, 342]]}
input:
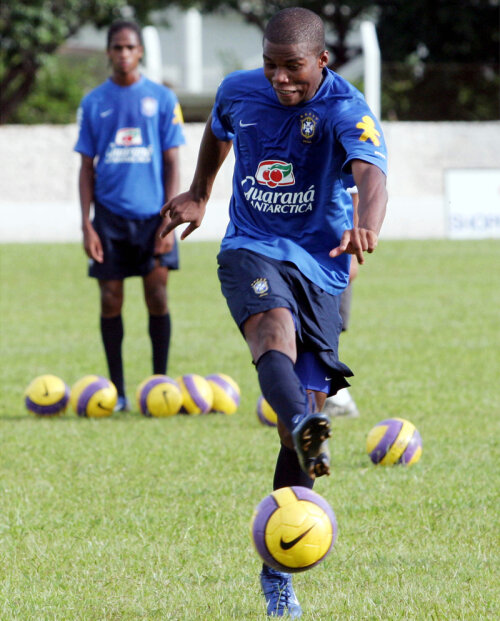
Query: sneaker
{"points": [[310, 439], [278, 590], [122, 404], [341, 404]]}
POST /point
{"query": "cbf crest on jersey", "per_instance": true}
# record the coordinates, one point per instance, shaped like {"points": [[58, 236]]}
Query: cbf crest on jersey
{"points": [[260, 286], [308, 126], [149, 106]]}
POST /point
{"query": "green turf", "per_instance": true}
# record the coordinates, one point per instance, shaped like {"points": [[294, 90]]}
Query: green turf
{"points": [[129, 518]]}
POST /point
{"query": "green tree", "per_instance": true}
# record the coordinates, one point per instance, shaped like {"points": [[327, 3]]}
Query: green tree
{"points": [[441, 59], [32, 30]]}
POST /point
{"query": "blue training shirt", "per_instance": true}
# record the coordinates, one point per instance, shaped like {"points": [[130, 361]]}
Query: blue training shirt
{"points": [[127, 128], [289, 198]]}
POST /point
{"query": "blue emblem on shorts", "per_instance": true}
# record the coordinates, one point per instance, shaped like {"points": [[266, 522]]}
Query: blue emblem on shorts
{"points": [[260, 286]]}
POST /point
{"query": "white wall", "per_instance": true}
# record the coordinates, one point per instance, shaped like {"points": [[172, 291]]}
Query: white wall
{"points": [[39, 176]]}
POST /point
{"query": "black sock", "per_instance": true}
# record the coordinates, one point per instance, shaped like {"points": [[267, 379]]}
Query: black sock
{"points": [[159, 331], [112, 338], [288, 471], [281, 387]]}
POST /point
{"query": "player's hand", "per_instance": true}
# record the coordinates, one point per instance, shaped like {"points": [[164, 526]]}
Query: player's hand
{"points": [[181, 209], [356, 241], [163, 244], [92, 243]]}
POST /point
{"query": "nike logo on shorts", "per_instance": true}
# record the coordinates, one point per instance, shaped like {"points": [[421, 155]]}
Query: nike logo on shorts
{"points": [[246, 124]]}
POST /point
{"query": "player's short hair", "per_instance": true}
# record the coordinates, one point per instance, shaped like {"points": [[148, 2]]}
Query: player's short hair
{"points": [[297, 25], [123, 24]]}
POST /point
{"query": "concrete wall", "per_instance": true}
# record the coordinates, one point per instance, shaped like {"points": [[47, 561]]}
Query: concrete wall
{"points": [[39, 175]]}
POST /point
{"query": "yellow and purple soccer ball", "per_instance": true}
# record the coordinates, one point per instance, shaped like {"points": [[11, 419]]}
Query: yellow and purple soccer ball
{"points": [[46, 395], [394, 441], [197, 394], [265, 413], [226, 393], [93, 396], [159, 396], [293, 529]]}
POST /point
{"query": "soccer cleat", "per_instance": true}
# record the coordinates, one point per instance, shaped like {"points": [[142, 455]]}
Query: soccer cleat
{"points": [[310, 439], [341, 405], [122, 404], [278, 590]]}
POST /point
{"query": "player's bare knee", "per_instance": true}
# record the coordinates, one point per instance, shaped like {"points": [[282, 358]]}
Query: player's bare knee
{"points": [[111, 301], [268, 331], [156, 300]]}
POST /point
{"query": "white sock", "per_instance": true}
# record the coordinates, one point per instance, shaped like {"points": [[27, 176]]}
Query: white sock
{"points": [[342, 397]]}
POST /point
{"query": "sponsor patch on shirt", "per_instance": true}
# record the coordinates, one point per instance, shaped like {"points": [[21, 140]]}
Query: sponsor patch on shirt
{"points": [[128, 136], [275, 172]]}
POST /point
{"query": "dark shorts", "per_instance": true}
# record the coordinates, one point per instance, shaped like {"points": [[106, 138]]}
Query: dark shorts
{"points": [[128, 246], [253, 283]]}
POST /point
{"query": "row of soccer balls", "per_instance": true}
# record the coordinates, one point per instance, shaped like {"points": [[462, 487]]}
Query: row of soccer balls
{"points": [[159, 395], [392, 441]]}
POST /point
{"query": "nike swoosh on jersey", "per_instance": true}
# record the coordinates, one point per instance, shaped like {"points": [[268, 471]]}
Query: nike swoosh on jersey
{"points": [[286, 545], [106, 112], [246, 124]]}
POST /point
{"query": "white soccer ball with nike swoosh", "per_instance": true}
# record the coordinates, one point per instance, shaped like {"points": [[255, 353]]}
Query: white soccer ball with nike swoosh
{"points": [[46, 395], [293, 529], [93, 396]]}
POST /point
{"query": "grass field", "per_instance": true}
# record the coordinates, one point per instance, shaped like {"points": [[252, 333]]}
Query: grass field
{"points": [[130, 518]]}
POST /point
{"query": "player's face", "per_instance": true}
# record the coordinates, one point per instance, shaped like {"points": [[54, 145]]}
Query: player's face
{"points": [[294, 70], [125, 52]]}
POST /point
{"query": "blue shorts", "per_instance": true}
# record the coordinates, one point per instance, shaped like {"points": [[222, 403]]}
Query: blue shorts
{"points": [[253, 283], [128, 246]]}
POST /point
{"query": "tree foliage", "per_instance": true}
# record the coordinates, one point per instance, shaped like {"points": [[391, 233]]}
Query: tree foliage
{"points": [[441, 57], [32, 30]]}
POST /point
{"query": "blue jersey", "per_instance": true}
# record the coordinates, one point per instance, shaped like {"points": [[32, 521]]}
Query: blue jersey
{"points": [[127, 128], [289, 197]]}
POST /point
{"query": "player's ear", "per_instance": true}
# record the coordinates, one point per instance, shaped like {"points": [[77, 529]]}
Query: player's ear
{"points": [[323, 59]]}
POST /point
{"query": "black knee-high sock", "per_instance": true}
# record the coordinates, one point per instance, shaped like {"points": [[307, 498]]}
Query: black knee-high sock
{"points": [[112, 338], [159, 331], [288, 471], [281, 387]]}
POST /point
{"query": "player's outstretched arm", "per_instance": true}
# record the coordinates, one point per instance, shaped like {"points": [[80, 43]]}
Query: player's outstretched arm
{"points": [[363, 237], [190, 206]]}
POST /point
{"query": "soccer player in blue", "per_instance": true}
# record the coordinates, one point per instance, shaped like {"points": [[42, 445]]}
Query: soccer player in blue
{"points": [[130, 131], [296, 128]]}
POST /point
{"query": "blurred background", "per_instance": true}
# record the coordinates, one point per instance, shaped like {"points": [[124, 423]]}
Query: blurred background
{"points": [[429, 70]]}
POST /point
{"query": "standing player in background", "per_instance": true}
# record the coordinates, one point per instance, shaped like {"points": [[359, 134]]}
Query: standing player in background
{"points": [[296, 128], [130, 131]]}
